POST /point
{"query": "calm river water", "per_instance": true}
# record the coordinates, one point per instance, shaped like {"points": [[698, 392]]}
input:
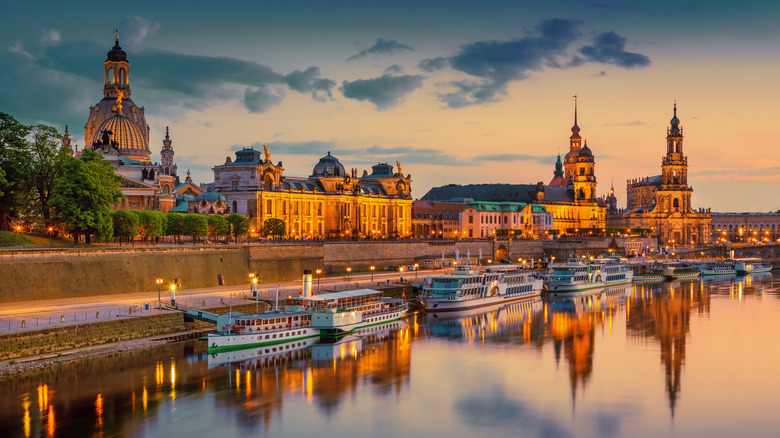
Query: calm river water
{"points": [[688, 359]]}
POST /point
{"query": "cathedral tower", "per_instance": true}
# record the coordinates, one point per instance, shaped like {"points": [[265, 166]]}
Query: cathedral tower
{"points": [[674, 195], [575, 144]]}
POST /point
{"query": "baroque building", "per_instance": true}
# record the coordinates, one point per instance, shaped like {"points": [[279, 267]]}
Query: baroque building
{"points": [[116, 128], [330, 203], [570, 196], [662, 203], [745, 227]]}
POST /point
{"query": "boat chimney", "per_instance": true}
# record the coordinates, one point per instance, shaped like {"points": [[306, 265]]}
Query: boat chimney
{"points": [[307, 283]]}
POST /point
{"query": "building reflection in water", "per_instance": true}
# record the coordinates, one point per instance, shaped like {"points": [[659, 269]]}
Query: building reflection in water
{"points": [[571, 323], [663, 313]]}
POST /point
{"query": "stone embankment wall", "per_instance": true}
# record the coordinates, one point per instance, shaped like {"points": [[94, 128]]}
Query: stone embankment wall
{"points": [[27, 275], [85, 335]]}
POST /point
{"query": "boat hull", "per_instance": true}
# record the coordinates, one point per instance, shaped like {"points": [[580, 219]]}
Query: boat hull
{"points": [[225, 342], [434, 305], [328, 326]]}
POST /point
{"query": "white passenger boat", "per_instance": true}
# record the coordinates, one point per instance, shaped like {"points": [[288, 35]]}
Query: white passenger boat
{"points": [[680, 271], [576, 275], [261, 329], [717, 268], [255, 357], [751, 266], [343, 312], [469, 287]]}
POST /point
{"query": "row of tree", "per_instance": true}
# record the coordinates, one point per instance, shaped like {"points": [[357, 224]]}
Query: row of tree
{"points": [[128, 224]]}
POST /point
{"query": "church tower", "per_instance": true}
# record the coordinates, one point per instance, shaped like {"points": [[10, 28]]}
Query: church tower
{"points": [[674, 195], [575, 144], [116, 119], [167, 167]]}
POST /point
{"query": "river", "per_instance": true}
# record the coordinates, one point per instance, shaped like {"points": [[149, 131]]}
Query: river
{"points": [[681, 359]]}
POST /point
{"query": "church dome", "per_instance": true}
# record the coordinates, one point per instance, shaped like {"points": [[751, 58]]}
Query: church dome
{"points": [[124, 132], [675, 121], [585, 151], [328, 166], [116, 53]]}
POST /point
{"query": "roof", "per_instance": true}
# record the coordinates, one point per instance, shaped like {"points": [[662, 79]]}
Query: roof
{"points": [[123, 131], [128, 161], [525, 193], [345, 294], [181, 208]]}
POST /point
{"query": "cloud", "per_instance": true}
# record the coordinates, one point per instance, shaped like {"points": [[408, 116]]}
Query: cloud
{"points": [[609, 48], [515, 157], [415, 155], [73, 71], [601, 73], [384, 91], [260, 100], [50, 37], [394, 69], [382, 47], [434, 64], [313, 147], [499, 62], [133, 30], [310, 81]]}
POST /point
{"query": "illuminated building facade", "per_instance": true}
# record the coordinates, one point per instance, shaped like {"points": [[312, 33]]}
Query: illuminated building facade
{"points": [[745, 227], [662, 203], [330, 203]]}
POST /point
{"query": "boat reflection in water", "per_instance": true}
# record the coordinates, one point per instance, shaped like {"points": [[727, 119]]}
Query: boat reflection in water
{"points": [[496, 323]]}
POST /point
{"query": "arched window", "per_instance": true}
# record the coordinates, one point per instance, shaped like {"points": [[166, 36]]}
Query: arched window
{"points": [[676, 204], [122, 76], [110, 77], [582, 171], [235, 207]]}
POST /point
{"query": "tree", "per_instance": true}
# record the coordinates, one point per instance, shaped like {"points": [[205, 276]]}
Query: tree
{"points": [[44, 167], [174, 225], [239, 225], [194, 225], [150, 224], [218, 225], [85, 194], [125, 225], [14, 156], [273, 227]]}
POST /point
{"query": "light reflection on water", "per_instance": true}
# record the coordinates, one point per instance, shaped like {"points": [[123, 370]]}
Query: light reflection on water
{"points": [[671, 359]]}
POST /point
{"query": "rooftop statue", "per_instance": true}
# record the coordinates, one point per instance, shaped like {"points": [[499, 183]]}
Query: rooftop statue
{"points": [[267, 154], [398, 165]]}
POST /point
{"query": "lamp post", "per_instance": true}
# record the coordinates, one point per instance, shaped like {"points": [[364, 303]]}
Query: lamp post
{"points": [[318, 271], [173, 294], [372, 267], [349, 271], [401, 271], [51, 230], [159, 282], [417, 268]]}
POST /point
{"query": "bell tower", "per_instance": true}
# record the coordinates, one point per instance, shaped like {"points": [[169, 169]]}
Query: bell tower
{"points": [[575, 144], [166, 161], [674, 195], [117, 72]]}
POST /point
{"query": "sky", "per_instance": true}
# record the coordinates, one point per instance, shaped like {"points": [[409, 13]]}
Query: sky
{"points": [[458, 92]]}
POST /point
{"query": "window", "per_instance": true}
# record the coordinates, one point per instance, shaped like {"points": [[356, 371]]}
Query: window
{"points": [[234, 185], [471, 219], [235, 207]]}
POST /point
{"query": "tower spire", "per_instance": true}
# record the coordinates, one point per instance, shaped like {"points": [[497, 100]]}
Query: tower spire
{"points": [[575, 129]]}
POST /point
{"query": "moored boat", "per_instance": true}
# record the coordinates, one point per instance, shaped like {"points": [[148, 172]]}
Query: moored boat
{"points": [[577, 275], [751, 266], [680, 271], [470, 287], [260, 329], [343, 312], [717, 268]]}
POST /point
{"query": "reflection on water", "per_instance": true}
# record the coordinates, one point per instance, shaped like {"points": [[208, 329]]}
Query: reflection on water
{"points": [[636, 360]]}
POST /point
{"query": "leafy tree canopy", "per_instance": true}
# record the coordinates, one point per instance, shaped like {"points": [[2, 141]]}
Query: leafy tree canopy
{"points": [[85, 194], [239, 224], [150, 224], [173, 224], [218, 225], [14, 158], [194, 225], [273, 227], [125, 224]]}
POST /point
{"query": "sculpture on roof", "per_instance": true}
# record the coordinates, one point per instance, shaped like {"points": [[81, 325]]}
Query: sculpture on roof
{"points": [[267, 154], [398, 165], [120, 95]]}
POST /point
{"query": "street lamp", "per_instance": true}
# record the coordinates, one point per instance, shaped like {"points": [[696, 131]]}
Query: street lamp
{"points": [[417, 268], [51, 230], [401, 271], [349, 270], [159, 282], [173, 294], [318, 271], [372, 272]]}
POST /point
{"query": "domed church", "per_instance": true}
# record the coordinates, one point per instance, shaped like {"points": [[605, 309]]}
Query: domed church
{"points": [[116, 128]]}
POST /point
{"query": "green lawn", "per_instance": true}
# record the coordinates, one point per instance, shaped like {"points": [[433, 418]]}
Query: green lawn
{"points": [[8, 238]]}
